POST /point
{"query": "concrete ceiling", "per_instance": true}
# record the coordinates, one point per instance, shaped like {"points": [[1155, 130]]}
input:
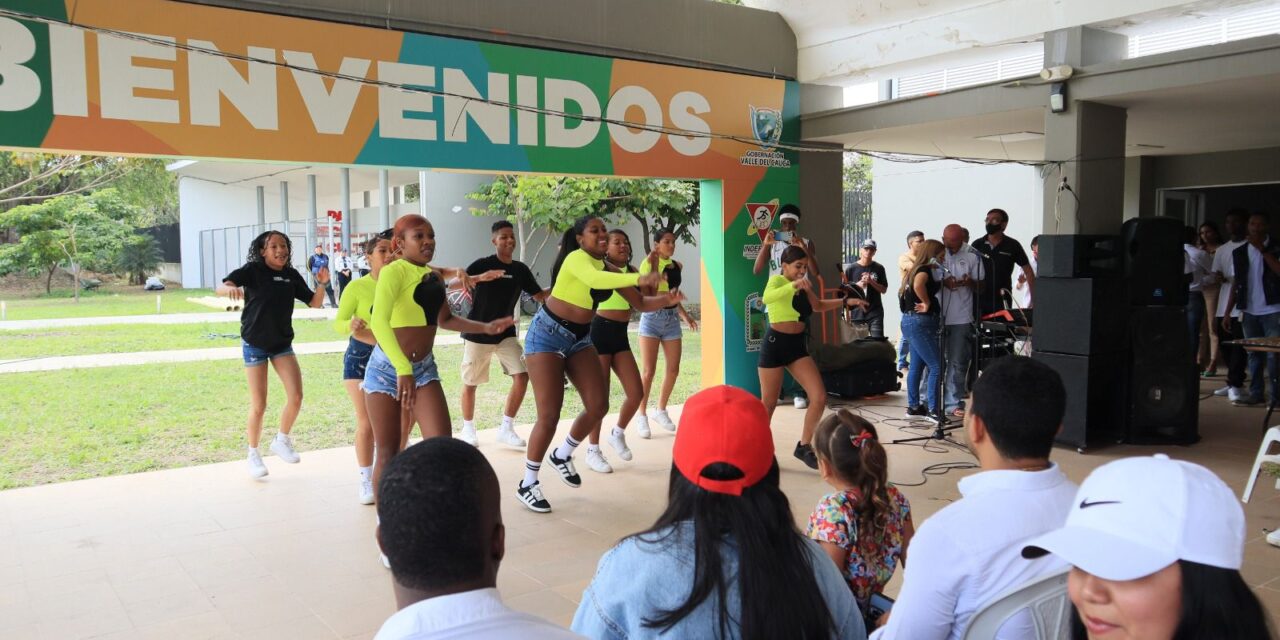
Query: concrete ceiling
{"points": [[269, 176]]}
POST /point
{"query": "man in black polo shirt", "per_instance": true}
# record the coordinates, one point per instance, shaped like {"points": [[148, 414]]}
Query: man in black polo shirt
{"points": [[1000, 254], [493, 300], [868, 278]]}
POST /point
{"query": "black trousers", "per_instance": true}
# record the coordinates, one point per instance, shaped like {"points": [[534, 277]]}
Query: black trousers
{"points": [[1237, 358], [343, 281]]}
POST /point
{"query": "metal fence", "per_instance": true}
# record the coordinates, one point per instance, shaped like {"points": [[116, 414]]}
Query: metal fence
{"points": [[223, 250], [857, 223]]}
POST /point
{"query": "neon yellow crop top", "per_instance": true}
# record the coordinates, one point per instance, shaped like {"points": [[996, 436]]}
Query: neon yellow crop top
{"points": [[778, 293], [357, 301], [663, 263], [394, 307], [616, 302], [580, 273]]}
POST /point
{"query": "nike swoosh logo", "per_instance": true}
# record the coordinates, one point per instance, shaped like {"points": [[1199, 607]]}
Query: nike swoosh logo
{"points": [[1085, 504]]}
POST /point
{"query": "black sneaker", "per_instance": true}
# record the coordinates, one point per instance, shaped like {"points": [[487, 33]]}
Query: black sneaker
{"points": [[917, 412], [531, 497], [804, 453], [566, 469]]}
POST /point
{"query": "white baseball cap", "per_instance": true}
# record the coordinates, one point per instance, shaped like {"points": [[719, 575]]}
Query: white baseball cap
{"points": [[1135, 516]]}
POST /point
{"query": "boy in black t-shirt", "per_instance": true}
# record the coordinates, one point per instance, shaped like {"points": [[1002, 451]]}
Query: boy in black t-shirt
{"points": [[270, 286], [868, 278], [491, 301]]}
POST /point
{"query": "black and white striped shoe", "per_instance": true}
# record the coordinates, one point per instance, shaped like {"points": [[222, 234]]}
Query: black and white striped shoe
{"points": [[531, 497], [565, 468]]}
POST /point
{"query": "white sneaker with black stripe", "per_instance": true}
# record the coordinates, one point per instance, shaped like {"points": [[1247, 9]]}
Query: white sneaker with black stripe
{"points": [[531, 497], [565, 468]]}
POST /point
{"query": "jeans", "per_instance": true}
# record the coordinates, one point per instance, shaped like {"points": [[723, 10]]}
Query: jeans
{"points": [[1195, 316], [956, 338], [1235, 356], [545, 335], [922, 331], [904, 345], [1258, 327], [875, 326]]}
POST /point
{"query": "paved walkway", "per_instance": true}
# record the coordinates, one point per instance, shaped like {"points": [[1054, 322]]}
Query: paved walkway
{"points": [[55, 363], [167, 318]]}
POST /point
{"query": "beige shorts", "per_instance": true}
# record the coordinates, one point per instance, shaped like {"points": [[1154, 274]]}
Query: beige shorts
{"points": [[475, 360]]}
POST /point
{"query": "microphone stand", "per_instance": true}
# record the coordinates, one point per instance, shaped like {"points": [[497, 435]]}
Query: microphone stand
{"points": [[941, 428]]}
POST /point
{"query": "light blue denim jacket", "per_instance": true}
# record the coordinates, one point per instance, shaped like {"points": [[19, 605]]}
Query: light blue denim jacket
{"points": [[635, 579]]}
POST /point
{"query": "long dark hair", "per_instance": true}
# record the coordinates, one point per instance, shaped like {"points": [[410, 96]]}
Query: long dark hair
{"points": [[779, 595], [864, 465], [1213, 226], [1216, 605], [626, 268], [259, 243], [569, 243]]}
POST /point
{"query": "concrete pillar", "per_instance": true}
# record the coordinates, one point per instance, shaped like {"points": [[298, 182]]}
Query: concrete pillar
{"points": [[1088, 141], [284, 205], [345, 174], [422, 193], [312, 212], [262, 210], [822, 209], [384, 200]]}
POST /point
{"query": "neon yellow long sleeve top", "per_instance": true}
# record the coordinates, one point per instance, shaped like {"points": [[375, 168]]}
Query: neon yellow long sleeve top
{"points": [[357, 301], [580, 273], [778, 295], [394, 307]]}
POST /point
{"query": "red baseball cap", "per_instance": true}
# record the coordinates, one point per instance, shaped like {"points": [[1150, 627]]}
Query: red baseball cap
{"points": [[723, 424]]}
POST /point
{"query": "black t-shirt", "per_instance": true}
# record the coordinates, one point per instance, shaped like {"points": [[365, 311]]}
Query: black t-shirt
{"points": [[267, 320], [498, 298], [998, 263], [907, 301], [853, 274]]}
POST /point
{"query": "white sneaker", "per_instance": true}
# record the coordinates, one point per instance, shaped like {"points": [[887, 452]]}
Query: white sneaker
{"points": [[1273, 538], [366, 491], [642, 427], [619, 444], [468, 435], [664, 420], [257, 468], [508, 436], [1236, 394], [282, 446], [800, 402], [1221, 393], [595, 460]]}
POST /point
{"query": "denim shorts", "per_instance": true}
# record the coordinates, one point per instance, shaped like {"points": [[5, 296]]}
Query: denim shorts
{"points": [[545, 335], [663, 324], [254, 356], [356, 359], [380, 374]]}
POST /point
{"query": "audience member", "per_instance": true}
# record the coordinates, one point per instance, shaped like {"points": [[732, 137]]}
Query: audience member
{"points": [[963, 273], [1229, 326], [1196, 266], [724, 560], [1208, 240], [344, 267], [865, 525], [904, 265], [1001, 253], [1155, 547], [315, 263], [441, 528], [918, 301], [1257, 294], [970, 551], [1022, 292], [868, 277]]}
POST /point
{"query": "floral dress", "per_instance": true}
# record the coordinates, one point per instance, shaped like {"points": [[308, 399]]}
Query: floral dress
{"points": [[873, 555]]}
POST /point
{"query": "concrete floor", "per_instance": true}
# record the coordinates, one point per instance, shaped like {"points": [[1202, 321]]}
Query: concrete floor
{"points": [[205, 552]]}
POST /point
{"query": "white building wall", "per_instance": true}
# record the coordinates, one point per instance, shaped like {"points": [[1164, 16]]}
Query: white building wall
{"points": [[930, 195]]}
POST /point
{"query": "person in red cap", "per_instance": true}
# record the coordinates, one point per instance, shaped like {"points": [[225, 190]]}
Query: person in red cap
{"points": [[725, 558]]}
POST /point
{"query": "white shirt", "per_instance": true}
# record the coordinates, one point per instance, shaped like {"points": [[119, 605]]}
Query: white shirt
{"points": [[1021, 291], [971, 551], [1222, 264], [477, 614], [1257, 297], [1197, 264], [957, 306]]}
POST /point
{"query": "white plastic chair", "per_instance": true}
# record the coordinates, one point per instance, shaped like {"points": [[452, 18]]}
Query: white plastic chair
{"points": [[1273, 435], [1042, 601]]}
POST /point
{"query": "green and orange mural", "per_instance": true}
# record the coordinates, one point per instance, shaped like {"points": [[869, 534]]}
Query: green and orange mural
{"points": [[154, 77]]}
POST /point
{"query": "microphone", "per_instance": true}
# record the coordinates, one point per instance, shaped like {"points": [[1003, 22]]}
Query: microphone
{"points": [[933, 262]]}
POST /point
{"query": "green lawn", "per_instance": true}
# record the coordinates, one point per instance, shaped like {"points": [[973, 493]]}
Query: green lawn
{"points": [[86, 423], [134, 302], [123, 338]]}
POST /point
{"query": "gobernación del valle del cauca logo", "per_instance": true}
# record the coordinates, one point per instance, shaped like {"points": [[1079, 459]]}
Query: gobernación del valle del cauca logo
{"points": [[766, 126]]}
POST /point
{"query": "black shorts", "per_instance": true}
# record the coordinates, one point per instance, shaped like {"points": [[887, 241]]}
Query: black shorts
{"points": [[781, 349], [609, 336]]}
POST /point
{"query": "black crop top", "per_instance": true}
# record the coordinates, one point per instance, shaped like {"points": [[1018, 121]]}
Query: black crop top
{"points": [[600, 295], [802, 305], [907, 301], [672, 272], [429, 294]]}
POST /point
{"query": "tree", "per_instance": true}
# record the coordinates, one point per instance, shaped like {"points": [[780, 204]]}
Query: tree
{"points": [[538, 204], [655, 204], [146, 183], [857, 172], [77, 230], [27, 178], [139, 256]]}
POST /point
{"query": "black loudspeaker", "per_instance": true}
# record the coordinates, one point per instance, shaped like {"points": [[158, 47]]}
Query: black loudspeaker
{"points": [[1080, 316], [1095, 396], [1153, 261], [1164, 390], [1078, 256]]}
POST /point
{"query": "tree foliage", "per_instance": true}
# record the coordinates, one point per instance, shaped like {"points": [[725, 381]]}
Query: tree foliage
{"points": [[139, 256], [31, 178], [857, 172], [539, 207], [655, 204]]}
